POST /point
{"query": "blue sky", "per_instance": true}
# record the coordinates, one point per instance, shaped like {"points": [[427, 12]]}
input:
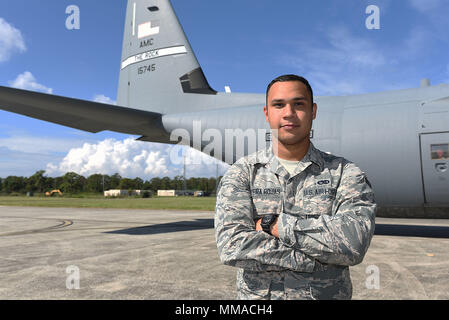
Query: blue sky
{"points": [[243, 44]]}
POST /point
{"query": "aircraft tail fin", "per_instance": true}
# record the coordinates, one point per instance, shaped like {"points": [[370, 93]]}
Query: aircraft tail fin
{"points": [[158, 66]]}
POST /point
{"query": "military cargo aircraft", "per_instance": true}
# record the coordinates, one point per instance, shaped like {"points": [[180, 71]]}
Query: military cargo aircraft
{"points": [[399, 138]]}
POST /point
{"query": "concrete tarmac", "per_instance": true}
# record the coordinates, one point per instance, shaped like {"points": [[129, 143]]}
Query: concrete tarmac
{"points": [[65, 253]]}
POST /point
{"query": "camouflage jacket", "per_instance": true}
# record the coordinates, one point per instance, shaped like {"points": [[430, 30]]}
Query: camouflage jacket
{"points": [[326, 221]]}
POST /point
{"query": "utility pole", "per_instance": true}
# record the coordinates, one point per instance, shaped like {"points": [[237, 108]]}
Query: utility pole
{"points": [[184, 175]]}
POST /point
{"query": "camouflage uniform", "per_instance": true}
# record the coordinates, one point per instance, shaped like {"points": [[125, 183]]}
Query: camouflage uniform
{"points": [[326, 222]]}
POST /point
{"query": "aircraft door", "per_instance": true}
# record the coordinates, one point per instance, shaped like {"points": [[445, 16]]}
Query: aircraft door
{"points": [[435, 167]]}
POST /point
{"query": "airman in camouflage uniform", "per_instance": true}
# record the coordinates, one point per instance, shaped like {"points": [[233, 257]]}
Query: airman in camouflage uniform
{"points": [[326, 221]]}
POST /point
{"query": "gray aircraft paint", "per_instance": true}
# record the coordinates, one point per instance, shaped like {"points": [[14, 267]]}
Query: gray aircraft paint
{"points": [[388, 134]]}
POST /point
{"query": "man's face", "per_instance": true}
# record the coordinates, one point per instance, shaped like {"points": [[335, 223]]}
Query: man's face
{"points": [[289, 112]]}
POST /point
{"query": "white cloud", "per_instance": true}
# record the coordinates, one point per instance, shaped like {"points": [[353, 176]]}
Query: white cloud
{"points": [[27, 81], [131, 158], [427, 5], [22, 153], [18, 163], [198, 164], [336, 66], [434, 14], [24, 142], [417, 43], [343, 63], [352, 50], [11, 40], [103, 99]]}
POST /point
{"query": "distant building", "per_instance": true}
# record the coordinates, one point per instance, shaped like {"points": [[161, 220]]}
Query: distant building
{"points": [[175, 193], [121, 193], [116, 193], [166, 193]]}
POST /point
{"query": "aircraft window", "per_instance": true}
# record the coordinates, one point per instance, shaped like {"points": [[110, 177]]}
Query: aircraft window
{"points": [[439, 151], [153, 9]]}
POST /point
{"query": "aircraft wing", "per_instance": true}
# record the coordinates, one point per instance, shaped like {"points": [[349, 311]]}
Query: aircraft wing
{"points": [[84, 115]]}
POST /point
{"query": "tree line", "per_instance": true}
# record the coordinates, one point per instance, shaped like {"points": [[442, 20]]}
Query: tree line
{"points": [[73, 183]]}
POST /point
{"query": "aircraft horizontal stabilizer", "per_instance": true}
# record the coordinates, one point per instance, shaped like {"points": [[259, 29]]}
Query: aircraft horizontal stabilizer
{"points": [[83, 115]]}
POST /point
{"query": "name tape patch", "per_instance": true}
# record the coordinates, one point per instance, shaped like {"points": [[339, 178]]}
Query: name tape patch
{"points": [[312, 192], [266, 191]]}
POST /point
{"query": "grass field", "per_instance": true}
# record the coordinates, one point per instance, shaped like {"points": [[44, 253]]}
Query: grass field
{"points": [[158, 203]]}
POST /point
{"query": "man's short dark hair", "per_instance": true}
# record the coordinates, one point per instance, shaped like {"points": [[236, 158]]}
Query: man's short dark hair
{"points": [[291, 77]]}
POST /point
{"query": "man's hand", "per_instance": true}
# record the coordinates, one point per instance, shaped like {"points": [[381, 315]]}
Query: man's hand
{"points": [[273, 228], [259, 224]]}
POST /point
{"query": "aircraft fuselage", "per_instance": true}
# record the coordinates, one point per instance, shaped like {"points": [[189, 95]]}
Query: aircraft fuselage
{"points": [[399, 138]]}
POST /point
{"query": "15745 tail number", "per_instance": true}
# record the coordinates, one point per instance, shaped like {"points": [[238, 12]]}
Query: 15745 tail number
{"points": [[146, 69]]}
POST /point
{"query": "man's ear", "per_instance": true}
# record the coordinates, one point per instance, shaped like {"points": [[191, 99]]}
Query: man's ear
{"points": [[314, 108], [265, 110]]}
